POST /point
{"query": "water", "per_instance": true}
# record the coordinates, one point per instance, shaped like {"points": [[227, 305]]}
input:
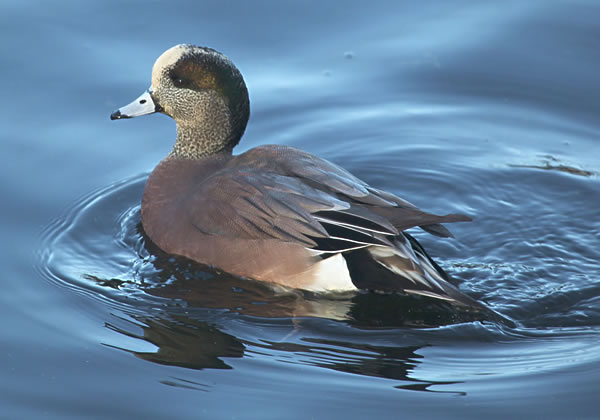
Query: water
{"points": [[458, 107]]}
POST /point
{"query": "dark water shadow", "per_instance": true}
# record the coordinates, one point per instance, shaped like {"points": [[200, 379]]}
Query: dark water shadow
{"points": [[182, 341], [187, 342]]}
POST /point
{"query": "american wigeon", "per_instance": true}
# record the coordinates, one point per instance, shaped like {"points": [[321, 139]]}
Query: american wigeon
{"points": [[274, 213]]}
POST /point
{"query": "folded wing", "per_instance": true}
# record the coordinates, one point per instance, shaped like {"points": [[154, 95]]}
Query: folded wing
{"points": [[293, 196]]}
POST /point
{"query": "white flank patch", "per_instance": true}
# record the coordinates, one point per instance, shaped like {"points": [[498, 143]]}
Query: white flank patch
{"points": [[331, 274]]}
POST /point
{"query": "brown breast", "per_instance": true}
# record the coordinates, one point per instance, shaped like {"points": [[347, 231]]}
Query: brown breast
{"points": [[169, 202]]}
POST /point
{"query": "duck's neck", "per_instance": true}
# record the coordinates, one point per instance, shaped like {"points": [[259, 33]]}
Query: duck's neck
{"points": [[205, 130], [200, 141]]}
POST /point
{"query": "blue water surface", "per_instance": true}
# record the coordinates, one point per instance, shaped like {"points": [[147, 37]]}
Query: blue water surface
{"points": [[485, 108]]}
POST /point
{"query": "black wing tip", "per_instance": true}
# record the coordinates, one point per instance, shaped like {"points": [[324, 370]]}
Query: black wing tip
{"points": [[441, 231], [437, 230], [457, 217]]}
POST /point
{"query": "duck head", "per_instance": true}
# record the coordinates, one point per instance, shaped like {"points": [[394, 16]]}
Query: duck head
{"points": [[203, 91]]}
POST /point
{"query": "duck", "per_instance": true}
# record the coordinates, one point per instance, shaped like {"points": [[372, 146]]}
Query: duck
{"points": [[274, 213]]}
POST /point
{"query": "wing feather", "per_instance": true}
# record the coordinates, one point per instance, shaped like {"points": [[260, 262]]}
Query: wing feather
{"points": [[284, 193]]}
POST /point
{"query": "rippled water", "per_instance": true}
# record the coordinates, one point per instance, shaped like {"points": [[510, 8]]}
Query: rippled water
{"points": [[458, 107]]}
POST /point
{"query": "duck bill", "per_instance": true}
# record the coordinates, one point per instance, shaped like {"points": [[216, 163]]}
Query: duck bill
{"points": [[141, 106]]}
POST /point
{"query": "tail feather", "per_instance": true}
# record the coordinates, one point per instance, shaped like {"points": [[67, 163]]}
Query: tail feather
{"points": [[406, 268]]}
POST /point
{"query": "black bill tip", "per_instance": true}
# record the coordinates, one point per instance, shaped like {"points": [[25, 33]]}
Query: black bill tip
{"points": [[118, 116]]}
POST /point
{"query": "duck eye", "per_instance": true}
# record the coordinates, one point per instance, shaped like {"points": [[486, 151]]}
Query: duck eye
{"points": [[180, 81]]}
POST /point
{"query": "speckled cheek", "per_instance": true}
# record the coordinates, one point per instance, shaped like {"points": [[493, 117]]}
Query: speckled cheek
{"points": [[160, 94]]}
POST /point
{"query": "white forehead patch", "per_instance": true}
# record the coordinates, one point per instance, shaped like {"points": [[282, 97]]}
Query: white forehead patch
{"points": [[166, 59]]}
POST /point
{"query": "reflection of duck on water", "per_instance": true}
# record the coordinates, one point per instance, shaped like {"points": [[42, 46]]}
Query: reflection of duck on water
{"points": [[194, 344], [184, 342]]}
